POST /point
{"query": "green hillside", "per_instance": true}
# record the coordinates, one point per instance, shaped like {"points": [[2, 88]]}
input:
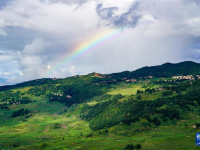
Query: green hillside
{"points": [[165, 70], [98, 111]]}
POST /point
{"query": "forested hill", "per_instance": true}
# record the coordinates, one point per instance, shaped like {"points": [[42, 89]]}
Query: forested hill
{"points": [[104, 111], [165, 70], [31, 83]]}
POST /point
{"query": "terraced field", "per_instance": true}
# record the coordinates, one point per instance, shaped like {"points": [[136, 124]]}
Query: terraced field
{"points": [[53, 125]]}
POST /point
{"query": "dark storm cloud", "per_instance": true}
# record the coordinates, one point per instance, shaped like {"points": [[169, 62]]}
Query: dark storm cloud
{"points": [[127, 19], [105, 13]]}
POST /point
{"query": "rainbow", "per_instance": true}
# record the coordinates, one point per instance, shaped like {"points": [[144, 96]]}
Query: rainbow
{"points": [[91, 44]]}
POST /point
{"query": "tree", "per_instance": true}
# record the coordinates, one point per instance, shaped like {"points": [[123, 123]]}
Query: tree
{"points": [[20, 112], [139, 97], [26, 111], [197, 125], [156, 121], [138, 146], [166, 93], [130, 146]]}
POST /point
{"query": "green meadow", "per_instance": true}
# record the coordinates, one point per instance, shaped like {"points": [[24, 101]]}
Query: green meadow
{"points": [[127, 88]]}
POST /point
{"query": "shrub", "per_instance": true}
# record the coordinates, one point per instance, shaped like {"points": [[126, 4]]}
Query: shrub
{"points": [[139, 97], [156, 121], [44, 145], [57, 125], [130, 146], [4, 107], [129, 120], [20, 112], [138, 146], [197, 125], [139, 91], [166, 93]]}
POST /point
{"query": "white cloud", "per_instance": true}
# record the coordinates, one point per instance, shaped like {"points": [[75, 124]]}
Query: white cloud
{"points": [[7, 55], [54, 18], [35, 48], [198, 50], [32, 67], [2, 32], [48, 30], [79, 2], [2, 23], [18, 72], [6, 73], [48, 67], [72, 70]]}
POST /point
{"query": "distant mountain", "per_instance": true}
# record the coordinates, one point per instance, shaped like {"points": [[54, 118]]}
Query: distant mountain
{"points": [[165, 70], [35, 82]]}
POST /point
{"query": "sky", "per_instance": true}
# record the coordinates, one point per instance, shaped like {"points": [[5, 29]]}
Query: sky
{"points": [[61, 38]]}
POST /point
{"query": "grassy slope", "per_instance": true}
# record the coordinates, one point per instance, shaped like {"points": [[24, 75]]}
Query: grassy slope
{"points": [[33, 132], [23, 90], [130, 90], [126, 88], [39, 128]]}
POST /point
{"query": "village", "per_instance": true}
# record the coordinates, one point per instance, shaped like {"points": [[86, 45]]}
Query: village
{"points": [[187, 77], [126, 79]]}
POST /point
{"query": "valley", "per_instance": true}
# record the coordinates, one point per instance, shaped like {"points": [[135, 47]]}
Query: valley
{"points": [[102, 112]]}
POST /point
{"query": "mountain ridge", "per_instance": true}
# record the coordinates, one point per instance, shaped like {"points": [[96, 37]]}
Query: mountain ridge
{"points": [[164, 70]]}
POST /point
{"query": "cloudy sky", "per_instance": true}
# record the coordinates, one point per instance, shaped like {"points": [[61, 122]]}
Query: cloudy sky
{"points": [[42, 38]]}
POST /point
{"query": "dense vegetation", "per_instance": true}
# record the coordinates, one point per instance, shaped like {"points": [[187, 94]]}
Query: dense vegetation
{"points": [[109, 113], [97, 111], [20, 112], [165, 70]]}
